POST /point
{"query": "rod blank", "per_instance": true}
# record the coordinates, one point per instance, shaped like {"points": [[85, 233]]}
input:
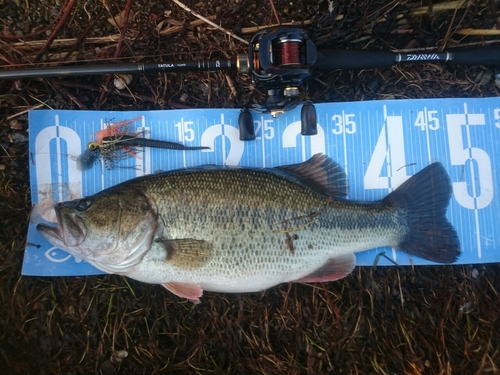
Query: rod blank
{"points": [[67, 71]]}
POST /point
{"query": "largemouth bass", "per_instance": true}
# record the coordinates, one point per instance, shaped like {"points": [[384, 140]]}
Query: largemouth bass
{"points": [[230, 229]]}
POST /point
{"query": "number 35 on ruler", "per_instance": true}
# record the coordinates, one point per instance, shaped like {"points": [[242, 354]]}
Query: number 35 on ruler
{"points": [[389, 153]]}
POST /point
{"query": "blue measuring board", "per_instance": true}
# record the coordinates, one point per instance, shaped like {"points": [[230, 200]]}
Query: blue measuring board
{"points": [[379, 143]]}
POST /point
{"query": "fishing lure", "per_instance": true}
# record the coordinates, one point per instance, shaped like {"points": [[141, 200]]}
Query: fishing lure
{"points": [[116, 143]]}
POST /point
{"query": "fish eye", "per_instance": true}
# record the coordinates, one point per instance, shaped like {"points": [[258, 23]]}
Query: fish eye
{"points": [[93, 146], [82, 204]]}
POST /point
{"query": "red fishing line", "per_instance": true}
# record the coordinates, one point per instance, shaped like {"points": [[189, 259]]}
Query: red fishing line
{"points": [[290, 52]]}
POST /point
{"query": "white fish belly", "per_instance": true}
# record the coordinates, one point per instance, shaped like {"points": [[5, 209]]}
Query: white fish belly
{"points": [[258, 259]]}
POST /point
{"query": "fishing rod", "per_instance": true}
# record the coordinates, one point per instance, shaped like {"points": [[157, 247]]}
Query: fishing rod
{"points": [[279, 60]]}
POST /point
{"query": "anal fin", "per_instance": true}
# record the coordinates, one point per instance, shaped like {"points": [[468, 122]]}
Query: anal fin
{"points": [[334, 269], [192, 292]]}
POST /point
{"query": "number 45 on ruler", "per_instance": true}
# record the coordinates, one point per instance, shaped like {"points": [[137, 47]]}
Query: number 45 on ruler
{"points": [[474, 191], [389, 154]]}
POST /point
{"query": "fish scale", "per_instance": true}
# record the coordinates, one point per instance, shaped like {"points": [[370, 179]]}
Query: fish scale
{"points": [[231, 229]]}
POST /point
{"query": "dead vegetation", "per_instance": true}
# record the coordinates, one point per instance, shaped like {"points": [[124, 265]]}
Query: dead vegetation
{"points": [[398, 320]]}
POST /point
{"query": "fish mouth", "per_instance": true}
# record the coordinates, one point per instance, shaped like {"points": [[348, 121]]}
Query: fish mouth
{"points": [[70, 231], [51, 234]]}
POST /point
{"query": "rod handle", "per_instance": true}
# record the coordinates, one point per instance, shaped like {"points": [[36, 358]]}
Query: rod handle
{"points": [[487, 56], [346, 59]]}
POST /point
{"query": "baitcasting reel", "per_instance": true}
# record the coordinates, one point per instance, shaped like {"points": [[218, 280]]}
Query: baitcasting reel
{"points": [[279, 60]]}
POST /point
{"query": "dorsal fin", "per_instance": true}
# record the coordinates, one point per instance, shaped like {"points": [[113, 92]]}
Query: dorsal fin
{"points": [[322, 174]]}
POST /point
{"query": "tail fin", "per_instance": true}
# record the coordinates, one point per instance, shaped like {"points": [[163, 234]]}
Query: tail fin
{"points": [[424, 198]]}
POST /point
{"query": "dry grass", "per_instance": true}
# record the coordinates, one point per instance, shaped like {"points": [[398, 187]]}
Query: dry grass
{"points": [[427, 320]]}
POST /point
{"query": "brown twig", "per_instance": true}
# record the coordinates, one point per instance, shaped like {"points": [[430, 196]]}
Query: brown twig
{"points": [[449, 32], [176, 29], [66, 12], [254, 29], [275, 12], [73, 98], [483, 32], [230, 83], [123, 31], [5, 58], [30, 45], [439, 7], [83, 36], [187, 9]]}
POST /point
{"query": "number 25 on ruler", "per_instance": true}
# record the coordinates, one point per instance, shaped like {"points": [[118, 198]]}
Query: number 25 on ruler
{"points": [[389, 152]]}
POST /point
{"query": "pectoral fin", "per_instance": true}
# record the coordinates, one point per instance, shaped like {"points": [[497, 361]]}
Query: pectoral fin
{"points": [[192, 292], [334, 269], [187, 253]]}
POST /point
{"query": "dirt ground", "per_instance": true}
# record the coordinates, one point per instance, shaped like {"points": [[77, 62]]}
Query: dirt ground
{"points": [[397, 320]]}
